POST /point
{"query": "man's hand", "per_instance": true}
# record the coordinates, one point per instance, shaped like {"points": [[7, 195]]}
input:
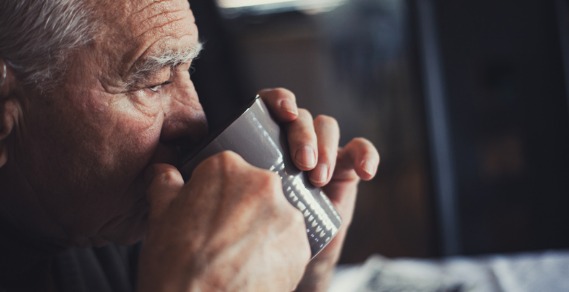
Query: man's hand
{"points": [[229, 228], [314, 148]]}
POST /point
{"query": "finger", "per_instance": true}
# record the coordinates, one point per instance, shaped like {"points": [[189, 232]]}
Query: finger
{"points": [[328, 137], [164, 184], [281, 102], [302, 141], [358, 155], [359, 159]]}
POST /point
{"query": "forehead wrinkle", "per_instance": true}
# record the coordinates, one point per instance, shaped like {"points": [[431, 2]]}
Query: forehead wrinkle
{"points": [[176, 29], [158, 14], [169, 34], [151, 4], [158, 25], [171, 25], [160, 3]]}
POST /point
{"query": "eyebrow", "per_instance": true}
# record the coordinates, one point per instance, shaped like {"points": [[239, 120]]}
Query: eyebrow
{"points": [[144, 68]]}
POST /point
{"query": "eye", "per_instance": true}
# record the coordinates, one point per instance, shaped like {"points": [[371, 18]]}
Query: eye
{"points": [[156, 88]]}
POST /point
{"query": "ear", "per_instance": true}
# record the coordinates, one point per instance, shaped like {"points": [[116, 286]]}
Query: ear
{"points": [[8, 112], [8, 116]]}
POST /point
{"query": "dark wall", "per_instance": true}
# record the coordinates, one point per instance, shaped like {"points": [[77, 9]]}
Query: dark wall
{"points": [[222, 87], [503, 79]]}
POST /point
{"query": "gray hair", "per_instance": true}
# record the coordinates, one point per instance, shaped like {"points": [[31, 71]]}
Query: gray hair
{"points": [[37, 36], [171, 58]]}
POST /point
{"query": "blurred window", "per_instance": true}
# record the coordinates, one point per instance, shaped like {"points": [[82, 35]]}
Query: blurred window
{"points": [[236, 7]]}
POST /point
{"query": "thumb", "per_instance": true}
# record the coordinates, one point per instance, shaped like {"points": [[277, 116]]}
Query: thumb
{"points": [[164, 183]]}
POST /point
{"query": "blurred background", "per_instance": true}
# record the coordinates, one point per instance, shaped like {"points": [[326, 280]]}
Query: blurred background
{"points": [[466, 100]]}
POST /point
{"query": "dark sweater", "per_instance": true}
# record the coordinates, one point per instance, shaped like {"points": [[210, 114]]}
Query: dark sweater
{"points": [[28, 265]]}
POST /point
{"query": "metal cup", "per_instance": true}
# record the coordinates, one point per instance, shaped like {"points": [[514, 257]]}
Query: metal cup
{"points": [[256, 137]]}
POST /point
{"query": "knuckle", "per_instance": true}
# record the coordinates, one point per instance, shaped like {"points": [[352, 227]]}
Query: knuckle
{"points": [[277, 93], [227, 157], [366, 145], [359, 140], [269, 185], [169, 175], [326, 120], [269, 177], [225, 160], [304, 113], [284, 93]]}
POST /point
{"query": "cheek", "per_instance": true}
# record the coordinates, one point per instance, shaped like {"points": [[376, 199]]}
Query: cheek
{"points": [[131, 148], [127, 141], [121, 124], [92, 159], [91, 149]]}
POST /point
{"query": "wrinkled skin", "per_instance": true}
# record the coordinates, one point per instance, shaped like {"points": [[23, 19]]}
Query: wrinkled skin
{"points": [[91, 162]]}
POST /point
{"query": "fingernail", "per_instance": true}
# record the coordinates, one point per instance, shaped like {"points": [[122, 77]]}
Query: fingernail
{"points": [[289, 107], [321, 173], [369, 167], [306, 156]]}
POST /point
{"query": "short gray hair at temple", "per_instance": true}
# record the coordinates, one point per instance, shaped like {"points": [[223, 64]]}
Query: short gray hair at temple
{"points": [[37, 36]]}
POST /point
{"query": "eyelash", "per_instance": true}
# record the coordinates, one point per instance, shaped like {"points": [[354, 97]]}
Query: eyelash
{"points": [[156, 88]]}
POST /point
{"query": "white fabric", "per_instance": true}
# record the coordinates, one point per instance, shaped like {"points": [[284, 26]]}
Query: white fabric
{"points": [[546, 271]]}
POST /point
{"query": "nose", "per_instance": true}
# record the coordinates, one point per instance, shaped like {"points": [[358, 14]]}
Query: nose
{"points": [[185, 122]]}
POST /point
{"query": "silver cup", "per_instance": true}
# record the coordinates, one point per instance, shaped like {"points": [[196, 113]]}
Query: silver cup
{"points": [[256, 137]]}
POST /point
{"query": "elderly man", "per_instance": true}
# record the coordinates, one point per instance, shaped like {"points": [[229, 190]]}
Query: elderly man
{"points": [[95, 99]]}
